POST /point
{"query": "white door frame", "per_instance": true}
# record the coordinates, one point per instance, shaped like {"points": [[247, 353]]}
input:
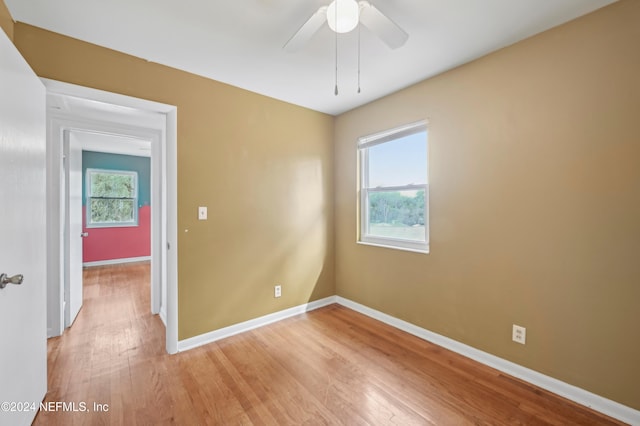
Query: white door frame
{"points": [[164, 185]]}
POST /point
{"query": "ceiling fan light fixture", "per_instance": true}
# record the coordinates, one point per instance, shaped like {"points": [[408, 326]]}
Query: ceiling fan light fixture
{"points": [[345, 18]]}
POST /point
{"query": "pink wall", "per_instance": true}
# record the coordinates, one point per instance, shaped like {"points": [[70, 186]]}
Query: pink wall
{"points": [[118, 243]]}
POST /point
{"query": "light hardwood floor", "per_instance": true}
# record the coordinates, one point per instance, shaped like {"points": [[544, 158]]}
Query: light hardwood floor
{"points": [[330, 366]]}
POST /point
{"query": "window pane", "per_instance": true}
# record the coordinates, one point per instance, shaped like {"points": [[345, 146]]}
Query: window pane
{"points": [[399, 162], [112, 185], [397, 214], [112, 210]]}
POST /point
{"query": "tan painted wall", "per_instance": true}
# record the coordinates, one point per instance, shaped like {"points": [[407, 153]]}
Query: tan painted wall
{"points": [[6, 21], [535, 204], [263, 167]]}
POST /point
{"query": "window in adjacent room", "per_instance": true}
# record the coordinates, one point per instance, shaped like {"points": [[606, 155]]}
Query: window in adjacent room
{"points": [[394, 188], [112, 198]]}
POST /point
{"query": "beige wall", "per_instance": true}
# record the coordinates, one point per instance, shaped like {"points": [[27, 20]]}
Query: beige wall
{"points": [[263, 168], [535, 204], [6, 21]]}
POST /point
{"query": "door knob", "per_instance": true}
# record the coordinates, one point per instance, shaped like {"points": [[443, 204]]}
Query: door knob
{"points": [[84, 234], [6, 279]]}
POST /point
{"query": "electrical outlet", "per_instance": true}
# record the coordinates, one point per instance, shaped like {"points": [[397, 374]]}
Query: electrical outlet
{"points": [[277, 291], [519, 334], [202, 213]]}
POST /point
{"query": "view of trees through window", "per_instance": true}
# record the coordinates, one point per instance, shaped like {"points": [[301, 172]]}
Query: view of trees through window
{"points": [[398, 214], [112, 197]]}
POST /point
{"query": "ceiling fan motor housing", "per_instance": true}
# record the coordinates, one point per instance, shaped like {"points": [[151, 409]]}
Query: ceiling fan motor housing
{"points": [[342, 15]]}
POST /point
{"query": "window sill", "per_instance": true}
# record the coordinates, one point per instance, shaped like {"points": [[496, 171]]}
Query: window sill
{"points": [[113, 225], [394, 247]]}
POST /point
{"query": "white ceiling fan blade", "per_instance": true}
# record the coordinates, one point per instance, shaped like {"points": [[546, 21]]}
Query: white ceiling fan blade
{"points": [[307, 30], [387, 30]]}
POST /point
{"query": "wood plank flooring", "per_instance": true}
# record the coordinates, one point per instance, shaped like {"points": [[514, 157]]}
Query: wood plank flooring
{"points": [[331, 366]]}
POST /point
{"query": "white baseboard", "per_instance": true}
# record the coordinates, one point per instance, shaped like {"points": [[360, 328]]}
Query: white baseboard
{"points": [[116, 261], [163, 315], [222, 333], [573, 393]]}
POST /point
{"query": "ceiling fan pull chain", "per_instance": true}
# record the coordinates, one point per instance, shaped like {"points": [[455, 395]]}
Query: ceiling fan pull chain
{"points": [[358, 58], [336, 34]]}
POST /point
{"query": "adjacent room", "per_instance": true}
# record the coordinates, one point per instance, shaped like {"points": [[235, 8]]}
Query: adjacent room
{"points": [[353, 212]]}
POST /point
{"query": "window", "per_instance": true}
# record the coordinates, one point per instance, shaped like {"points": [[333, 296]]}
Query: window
{"points": [[394, 188], [112, 198]]}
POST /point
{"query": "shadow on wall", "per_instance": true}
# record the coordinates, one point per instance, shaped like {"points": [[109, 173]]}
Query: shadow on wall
{"points": [[294, 252], [297, 255]]}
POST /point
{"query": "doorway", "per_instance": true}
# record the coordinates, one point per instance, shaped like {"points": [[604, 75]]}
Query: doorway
{"points": [[77, 110], [108, 209]]}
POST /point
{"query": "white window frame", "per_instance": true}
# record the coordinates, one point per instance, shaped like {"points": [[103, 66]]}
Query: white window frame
{"points": [[134, 222], [369, 141]]}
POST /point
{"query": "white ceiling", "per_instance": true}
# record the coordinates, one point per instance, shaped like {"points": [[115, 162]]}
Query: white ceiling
{"points": [[240, 42], [106, 113], [102, 142], [87, 109]]}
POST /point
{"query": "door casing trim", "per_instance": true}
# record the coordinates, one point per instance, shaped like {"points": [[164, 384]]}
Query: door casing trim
{"points": [[164, 162]]}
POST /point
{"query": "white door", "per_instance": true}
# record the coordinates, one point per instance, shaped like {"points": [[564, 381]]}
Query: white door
{"points": [[73, 284], [23, 323]]}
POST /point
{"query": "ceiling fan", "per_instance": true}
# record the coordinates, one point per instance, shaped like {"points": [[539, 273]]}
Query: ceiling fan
{"points": [[343, 16]]}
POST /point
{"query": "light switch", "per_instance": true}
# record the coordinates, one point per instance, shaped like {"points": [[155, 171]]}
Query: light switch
{"points": [[202, 213]]}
